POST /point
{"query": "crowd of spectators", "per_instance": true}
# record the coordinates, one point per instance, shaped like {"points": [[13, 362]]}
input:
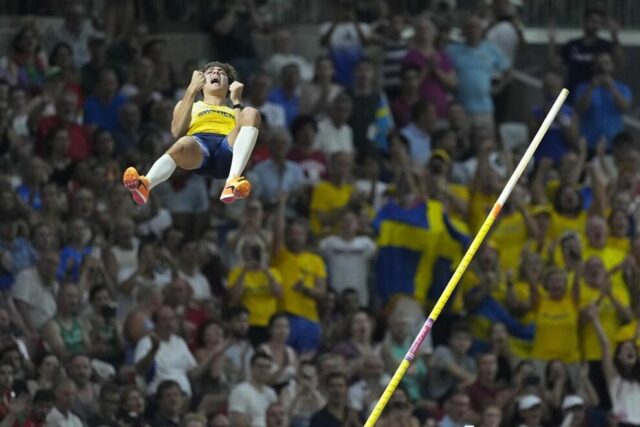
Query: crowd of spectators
{"points": [[376, 164]]}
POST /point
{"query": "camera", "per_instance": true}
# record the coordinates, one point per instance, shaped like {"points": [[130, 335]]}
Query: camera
{"points": [[108, 311], [532, 381], [255, 252]]}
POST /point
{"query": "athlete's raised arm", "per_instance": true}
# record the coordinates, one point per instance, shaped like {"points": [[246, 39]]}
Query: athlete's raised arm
{"points": [[182, 111]]}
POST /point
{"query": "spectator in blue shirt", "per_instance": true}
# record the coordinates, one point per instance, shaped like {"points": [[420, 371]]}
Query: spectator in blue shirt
{"points": [[101, 108], [277, 175], [563, 132], [418, 132], [601, 103], [481, 70], [15, 251], [73, 254], [288, 94]]}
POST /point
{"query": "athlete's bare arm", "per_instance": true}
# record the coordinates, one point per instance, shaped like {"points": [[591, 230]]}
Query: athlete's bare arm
{"points": [[182, 111]]}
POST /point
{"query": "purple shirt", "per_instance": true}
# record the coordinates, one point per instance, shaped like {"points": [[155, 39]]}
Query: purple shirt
{"points": [[431, 89]]}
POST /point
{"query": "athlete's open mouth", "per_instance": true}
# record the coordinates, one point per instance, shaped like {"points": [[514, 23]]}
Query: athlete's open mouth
{"points": [[215, 80]]}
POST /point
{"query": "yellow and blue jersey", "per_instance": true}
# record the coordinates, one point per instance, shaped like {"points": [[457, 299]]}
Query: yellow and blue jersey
{"points": [[206, 118]]}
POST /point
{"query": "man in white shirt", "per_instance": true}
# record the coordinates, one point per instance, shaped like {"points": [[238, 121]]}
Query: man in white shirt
{"points": [[347, 256], [166, 352], [76, 31], [418, 132], [259, 88], [61, 414], [34, 292], [282, 55], [334, 133], [190, 270], [250, 399]]}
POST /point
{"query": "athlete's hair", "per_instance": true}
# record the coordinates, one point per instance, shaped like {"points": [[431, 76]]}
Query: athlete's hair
{"points": [[228, 69]]}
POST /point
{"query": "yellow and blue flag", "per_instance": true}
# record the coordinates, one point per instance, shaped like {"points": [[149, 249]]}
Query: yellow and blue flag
{"points": [[418, 249]]}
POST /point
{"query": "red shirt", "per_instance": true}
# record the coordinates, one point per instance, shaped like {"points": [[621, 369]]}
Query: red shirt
{"points": [[313, 164], [79, 147], [481, 395]]}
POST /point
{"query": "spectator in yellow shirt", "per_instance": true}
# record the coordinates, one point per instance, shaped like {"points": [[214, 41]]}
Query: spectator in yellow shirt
{"points": [[304, 280], [257, 287], [619, 230], [335, 196], [556, 319]]}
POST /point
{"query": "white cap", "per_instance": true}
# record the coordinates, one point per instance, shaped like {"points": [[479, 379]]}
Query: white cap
{"points": [[571, 401], [528, 402]]}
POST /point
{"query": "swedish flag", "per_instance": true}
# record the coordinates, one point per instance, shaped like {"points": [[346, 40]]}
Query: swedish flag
{"points": [[418, 248]]}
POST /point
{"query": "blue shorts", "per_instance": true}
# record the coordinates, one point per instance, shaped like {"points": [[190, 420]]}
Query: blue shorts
{"points": [[216, 155], [304, 335]]}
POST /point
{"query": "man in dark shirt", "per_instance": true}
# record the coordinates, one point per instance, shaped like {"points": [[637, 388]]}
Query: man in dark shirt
{"points": [[578, 54], [170, 405], [337, 412]]}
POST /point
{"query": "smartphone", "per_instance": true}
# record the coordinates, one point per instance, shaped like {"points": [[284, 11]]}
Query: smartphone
{"points": [[108, 311]]}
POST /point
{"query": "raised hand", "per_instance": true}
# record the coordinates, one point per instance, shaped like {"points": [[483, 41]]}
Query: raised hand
{"points": [[197, 81], [236, 89]]}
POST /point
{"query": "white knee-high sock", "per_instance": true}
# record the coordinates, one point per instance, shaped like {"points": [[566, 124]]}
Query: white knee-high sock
{"points": [[242, 149], [161, 170]]}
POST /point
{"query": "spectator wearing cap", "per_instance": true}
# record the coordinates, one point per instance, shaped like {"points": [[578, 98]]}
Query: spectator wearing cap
{"points": [[530, 411], [577, 414]]}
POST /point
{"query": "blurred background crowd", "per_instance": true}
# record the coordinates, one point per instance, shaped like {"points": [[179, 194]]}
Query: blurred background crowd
{"points": [[389, 129]]}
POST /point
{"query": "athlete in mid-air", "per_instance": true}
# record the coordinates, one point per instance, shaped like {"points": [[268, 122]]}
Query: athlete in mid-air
{"points": [[214, 140]]}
